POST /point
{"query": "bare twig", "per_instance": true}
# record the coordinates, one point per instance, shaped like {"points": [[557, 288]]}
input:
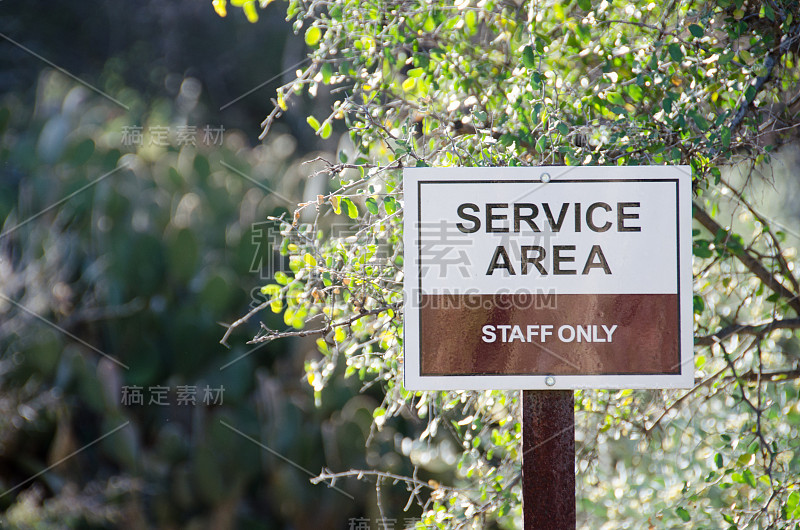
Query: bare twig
{"points": [[273, 335]]}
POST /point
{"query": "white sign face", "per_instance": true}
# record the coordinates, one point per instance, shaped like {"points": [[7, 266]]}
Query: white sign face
{"points": [[548, 278]]}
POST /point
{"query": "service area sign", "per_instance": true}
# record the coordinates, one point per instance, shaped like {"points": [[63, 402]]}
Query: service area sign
{"points": [[548, 277]]}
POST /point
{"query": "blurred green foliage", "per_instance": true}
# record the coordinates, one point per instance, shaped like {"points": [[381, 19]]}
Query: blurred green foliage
{"points": [[118, 263]]}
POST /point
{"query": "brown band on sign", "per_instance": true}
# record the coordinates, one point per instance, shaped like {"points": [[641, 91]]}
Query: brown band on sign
{"points": [[549, 334]]}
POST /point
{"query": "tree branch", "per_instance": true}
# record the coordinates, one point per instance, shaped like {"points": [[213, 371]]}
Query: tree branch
{"points": [[770, 63], [241, 321], [327, 475], [749, 261], [747, 329], [272, 334], [787, 273], [768, 377]]}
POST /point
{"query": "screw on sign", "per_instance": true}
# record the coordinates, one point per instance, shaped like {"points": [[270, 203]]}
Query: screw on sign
{"points": [[547, 280]]}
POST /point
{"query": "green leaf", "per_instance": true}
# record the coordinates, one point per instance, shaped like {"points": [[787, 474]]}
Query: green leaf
{"points": [[313, 36], [536, 80], [540, 144], [699, 120], [572, 160], [746, 58], [698, 303], [718, 460], [790, 507], [271, 290], [696, 30], [725, 134], [327, 129], [326, 71], [352, 210], [276, 305], [717, 174], [390, 205], [337, 209], [250, 11], [749, 478], [528, 58], [288, 316], [726, 57], [586, 5], [313, 122], [675, 52], [471, 20], [615, 98], [683, 514], [653, 63], [372, 205]]}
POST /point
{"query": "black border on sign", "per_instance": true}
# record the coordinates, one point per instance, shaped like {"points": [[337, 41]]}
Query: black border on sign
{"points": [[539, 181]]}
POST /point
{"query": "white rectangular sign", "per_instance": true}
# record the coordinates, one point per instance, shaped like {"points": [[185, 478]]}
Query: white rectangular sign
{"points": [[548, 277]]}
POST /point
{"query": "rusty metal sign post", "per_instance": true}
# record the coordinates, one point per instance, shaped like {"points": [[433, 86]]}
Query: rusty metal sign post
{"points": [[548, 279], [548, 459]]}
